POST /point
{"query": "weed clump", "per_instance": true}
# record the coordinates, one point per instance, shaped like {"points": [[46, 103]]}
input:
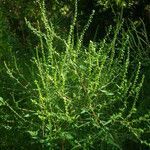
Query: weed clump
{"points": [[84, 97]]}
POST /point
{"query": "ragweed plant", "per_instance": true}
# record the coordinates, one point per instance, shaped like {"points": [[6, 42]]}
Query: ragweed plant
{"points": [[84, 97]]}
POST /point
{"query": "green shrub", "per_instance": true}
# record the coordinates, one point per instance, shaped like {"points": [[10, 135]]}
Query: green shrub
{"points": [[80, 97]]}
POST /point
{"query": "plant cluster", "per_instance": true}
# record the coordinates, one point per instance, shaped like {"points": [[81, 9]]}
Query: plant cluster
{"points": [[76, 97]]}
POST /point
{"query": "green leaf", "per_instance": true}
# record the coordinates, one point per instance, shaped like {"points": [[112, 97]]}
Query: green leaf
{"points": [[2, 101], [33, 133], [27, 115], [84, 110], [67, 135], [107, 93]]}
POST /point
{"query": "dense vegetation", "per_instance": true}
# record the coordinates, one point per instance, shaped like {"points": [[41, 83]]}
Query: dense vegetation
{"points": [[73, 79]]}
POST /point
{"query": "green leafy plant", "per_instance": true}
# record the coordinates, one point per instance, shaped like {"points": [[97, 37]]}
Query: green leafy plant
{"points": [[81, 97]]}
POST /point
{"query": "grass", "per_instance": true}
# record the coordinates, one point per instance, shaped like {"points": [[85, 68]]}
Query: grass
{"points": [[75, 97]]}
